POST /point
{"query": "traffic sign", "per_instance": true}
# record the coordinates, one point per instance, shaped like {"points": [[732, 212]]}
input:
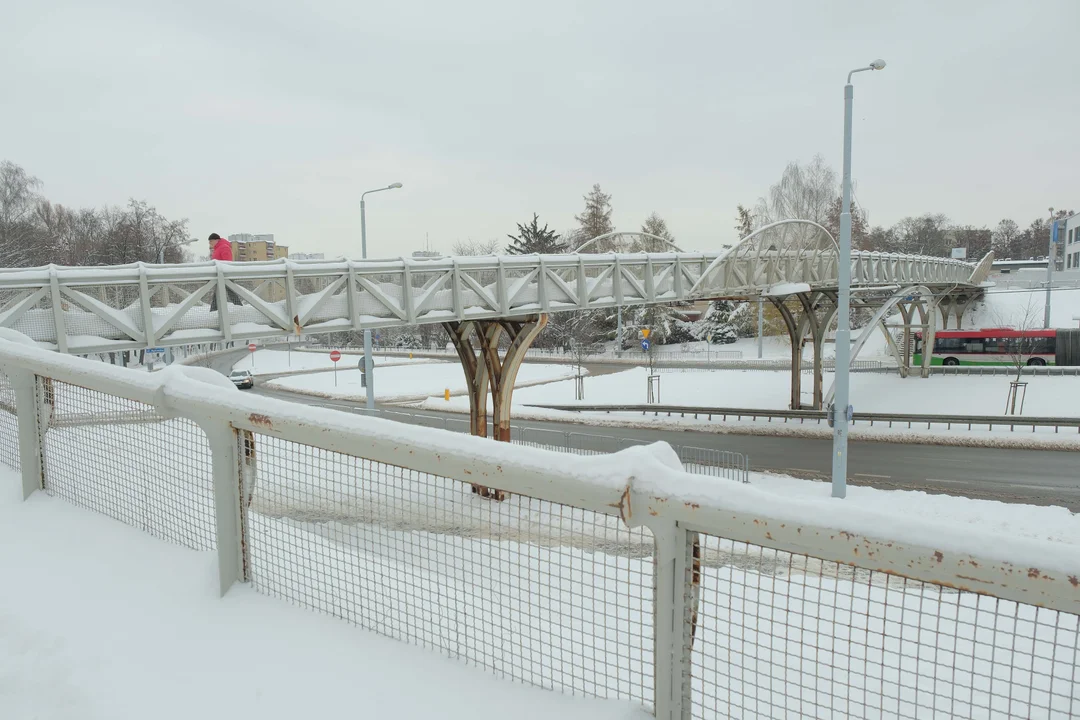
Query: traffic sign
{"points": [[335, 355], [645, 345], [252, 347], [155, 351], [645, 333]]}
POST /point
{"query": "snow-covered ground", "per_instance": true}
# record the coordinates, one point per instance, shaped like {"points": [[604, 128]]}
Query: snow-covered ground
{"points": [[1055, 396], [1008, 307], [408, 381], [100, 621], [273, 362]]}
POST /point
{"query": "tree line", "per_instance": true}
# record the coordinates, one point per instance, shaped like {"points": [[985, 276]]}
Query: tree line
{"points": [[811, 191], [35, 231]]}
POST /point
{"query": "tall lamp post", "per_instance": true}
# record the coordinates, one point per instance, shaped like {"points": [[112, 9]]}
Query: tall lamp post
{"points": [[841, 409], [1050, 256], [369, 365]]}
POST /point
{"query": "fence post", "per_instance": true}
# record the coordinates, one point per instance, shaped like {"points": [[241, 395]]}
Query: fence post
{"points": [[30, 451], [673, 619], [229, 510]]}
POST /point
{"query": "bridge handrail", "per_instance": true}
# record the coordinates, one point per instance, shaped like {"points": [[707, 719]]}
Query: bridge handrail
{"points": [[693, 521]]}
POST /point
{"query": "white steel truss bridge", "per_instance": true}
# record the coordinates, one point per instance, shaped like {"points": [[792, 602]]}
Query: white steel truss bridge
{"points": [[83, 310]]}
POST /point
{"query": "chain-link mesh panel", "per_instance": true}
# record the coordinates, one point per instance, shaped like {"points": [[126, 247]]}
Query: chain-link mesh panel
{"points": [[782, 635], [543, 593], [119, 458], [9, 425]]}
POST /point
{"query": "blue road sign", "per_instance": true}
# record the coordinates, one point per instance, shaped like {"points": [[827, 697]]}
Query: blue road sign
{"points": [[645, 345]]}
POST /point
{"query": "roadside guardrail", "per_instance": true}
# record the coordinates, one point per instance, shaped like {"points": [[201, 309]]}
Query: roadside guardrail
{"points": [[820, 416]]}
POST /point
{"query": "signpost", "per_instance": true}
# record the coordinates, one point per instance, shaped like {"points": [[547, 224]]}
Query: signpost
{"points": [[151, 356], [252, 347], [335, 356]]}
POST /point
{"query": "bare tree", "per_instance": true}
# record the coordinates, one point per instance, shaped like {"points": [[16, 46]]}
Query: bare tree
{"points": [[18, 200], [1020, 349], [476, 247], [1004, 238], [575, 333], [804, 192]]}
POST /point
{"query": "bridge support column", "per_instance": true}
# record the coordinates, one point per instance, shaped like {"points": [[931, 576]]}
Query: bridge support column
{"points": [[477, 345], [809, 322]]}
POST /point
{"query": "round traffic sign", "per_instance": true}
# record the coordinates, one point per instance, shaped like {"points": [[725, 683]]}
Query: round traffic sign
{"points": [[645, 344], [252, 347], [335, 355]]}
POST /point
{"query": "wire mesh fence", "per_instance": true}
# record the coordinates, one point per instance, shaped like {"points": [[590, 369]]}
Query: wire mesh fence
{"points": [[783, 635], [9, 425], [120, 458], [543, 593], [556, 595]]}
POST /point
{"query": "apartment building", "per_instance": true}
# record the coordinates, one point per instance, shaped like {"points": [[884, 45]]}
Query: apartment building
{"points": [[251, 247]]}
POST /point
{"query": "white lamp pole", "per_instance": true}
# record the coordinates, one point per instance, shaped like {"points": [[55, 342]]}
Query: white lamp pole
{"points": [[1050, 255], [841, 409], [161, 251], [369, 365]]}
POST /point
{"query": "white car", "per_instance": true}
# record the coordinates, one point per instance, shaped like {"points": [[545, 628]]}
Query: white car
{"points": [[242, 379]]}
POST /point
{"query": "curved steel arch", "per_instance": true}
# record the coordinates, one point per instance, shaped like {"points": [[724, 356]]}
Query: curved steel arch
{"points": [[876, 322], [785, 251], [615, 233], [982, 270]]}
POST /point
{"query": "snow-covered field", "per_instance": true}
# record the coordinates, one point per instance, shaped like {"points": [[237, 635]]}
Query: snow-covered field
{"points": [[408, 381], [768, 389], [272, 362]]}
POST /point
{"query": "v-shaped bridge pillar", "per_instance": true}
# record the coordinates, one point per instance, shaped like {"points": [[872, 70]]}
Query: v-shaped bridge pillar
{"points": [[810, 321], [486, 370]]}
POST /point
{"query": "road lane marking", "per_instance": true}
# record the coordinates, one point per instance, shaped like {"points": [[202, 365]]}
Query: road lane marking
{"points": [[869, 475]]}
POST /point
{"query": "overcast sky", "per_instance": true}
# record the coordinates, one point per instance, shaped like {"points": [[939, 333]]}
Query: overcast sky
{"points": [[274, 116]]}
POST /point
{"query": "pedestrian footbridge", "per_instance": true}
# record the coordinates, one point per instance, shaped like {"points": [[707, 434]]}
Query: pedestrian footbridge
{"points": [[793, 263]]}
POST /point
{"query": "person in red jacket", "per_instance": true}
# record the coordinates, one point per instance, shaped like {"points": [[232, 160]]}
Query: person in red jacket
{"points": [[221, 249]]}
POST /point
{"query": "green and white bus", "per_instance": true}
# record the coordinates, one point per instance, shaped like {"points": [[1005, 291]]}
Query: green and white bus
{"points": [[990, 346]]}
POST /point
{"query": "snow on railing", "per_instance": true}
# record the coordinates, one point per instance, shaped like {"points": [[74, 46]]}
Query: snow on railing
{"points": [[615, 575]]}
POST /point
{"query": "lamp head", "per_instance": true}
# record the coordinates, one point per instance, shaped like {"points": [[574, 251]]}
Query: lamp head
{"points": [[393, 186], [878, 64]]}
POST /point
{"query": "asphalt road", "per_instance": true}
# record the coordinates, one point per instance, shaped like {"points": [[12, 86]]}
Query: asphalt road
{"points": [[1038, 477]]}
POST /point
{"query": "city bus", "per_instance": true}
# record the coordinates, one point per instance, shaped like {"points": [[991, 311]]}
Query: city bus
{"points": [[990, 346]]}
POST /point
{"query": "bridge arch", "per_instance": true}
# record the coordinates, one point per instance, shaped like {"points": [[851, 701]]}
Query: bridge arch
{"points": [[636, 235], [788, 251]]}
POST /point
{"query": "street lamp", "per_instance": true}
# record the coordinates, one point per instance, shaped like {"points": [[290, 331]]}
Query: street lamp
{"points": [[369, 365], [840, 412], [161, 250]]}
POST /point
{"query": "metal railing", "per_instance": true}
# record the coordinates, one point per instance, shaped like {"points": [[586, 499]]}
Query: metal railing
{"points": [[911, 420], [703, 461], [617, 576], [664, 361]]}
